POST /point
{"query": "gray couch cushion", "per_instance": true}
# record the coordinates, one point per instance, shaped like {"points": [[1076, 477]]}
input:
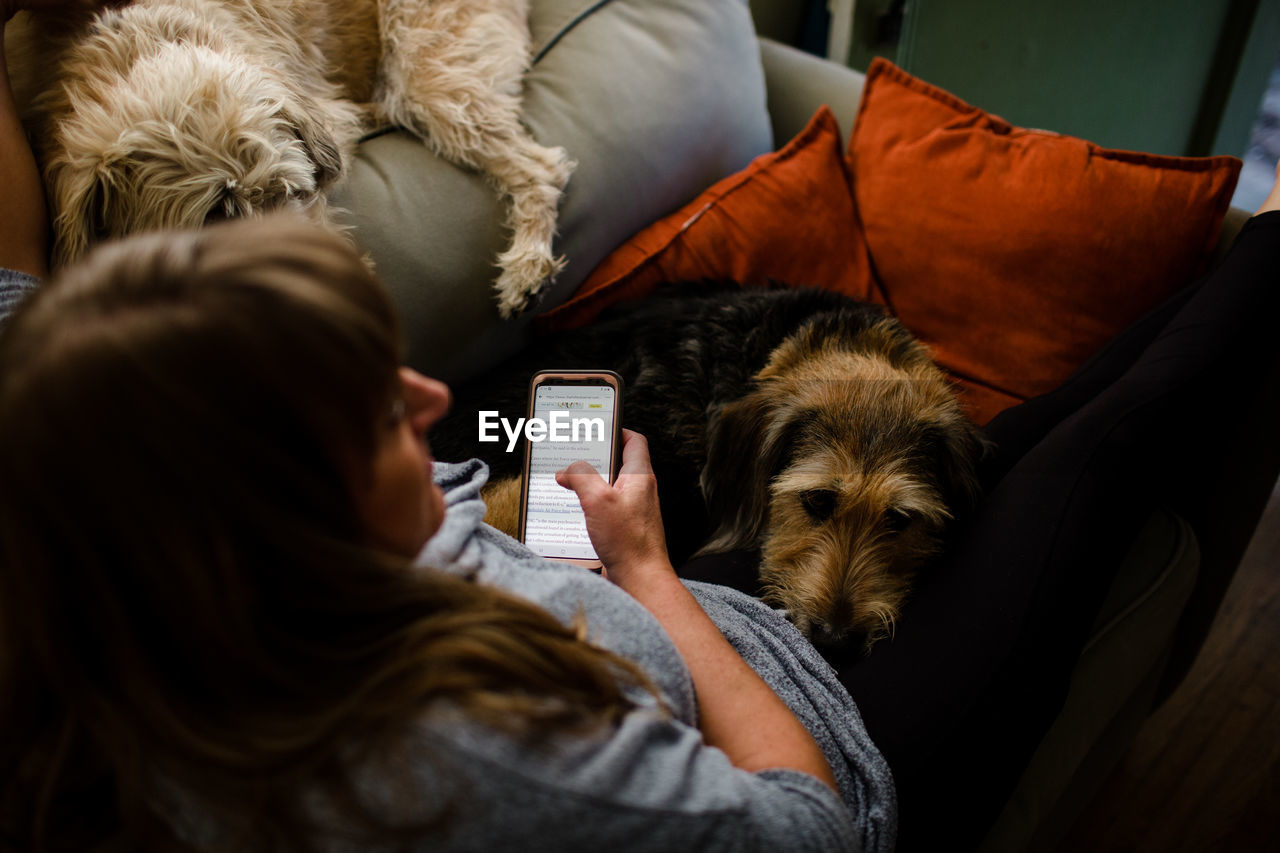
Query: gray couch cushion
{"points": [[655, 99]]}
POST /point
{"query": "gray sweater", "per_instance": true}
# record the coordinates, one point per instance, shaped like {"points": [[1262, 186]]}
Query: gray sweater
{"points": [[14, 287], [651, 784]]}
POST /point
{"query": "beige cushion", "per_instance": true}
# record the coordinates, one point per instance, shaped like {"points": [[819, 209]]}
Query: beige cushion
{"points": [[655, 99], [798, 83]]}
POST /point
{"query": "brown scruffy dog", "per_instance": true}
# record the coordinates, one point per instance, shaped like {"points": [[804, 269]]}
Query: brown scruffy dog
{"points": [[176, 112], [797, 422]]}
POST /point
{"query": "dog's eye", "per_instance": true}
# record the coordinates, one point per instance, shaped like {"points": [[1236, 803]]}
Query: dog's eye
{"points": [[896, 520], [819, 503]]}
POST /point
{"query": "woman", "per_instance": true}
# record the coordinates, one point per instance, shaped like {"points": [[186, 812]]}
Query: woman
{"points": [[212, 491], [213, 484]]}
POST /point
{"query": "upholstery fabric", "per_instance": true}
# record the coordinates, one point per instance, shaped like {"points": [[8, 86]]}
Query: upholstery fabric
{"points": [[1127, 647], [655, 100], [789, 216], [1017, 253], [799, 83]]}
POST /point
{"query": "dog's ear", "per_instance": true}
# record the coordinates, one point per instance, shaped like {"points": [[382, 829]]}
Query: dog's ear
{"points": [[304, 115], [747, 444], [81, 195], [956, 446]]}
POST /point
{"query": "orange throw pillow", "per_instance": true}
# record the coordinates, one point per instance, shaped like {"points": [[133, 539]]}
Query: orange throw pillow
{"points": [[1017, 253], [788, 216]]}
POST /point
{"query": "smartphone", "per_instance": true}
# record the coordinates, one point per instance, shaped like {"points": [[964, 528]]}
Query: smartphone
{"points": [[573, 414]]}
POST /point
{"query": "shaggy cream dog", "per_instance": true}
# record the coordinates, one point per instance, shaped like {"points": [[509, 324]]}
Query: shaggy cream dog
{"points": [[179, 112]]}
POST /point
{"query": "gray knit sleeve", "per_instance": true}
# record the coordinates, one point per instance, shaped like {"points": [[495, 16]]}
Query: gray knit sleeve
{"points": [[650, 785], [14, 287], [809, 686]]}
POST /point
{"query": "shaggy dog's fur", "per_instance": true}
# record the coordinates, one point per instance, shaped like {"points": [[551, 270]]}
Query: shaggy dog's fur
{"points": [[178, 112], [799, 422]]}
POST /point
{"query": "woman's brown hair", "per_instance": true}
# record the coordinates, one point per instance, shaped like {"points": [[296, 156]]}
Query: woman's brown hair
{"points": [[185, 592]]}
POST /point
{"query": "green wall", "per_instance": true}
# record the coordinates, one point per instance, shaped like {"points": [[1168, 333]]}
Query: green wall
{"points": [[1167, 76], [1123, 73], [1229, 119]]}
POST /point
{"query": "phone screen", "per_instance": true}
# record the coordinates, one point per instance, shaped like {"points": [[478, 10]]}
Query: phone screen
{"points": [[580, 419]]}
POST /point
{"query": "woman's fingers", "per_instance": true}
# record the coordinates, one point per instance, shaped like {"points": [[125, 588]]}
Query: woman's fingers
{"points": [[635, 454], [583, 479], [623, 520]]}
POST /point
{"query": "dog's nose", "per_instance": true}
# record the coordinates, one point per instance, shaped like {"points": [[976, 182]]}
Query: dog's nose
{"points": [[829, 635]]}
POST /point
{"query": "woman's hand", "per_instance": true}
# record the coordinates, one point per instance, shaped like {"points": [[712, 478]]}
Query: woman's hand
{"points": [[737, 711], [623, 520]]}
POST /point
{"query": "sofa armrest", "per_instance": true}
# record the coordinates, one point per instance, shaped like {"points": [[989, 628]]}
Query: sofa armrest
{"points": [[797, 83], [1112, 687]]}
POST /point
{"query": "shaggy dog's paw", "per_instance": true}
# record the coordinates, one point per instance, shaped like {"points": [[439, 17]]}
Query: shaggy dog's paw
{"points": [[502, 505], [529, 263], [559, 166], [526, 269]]}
